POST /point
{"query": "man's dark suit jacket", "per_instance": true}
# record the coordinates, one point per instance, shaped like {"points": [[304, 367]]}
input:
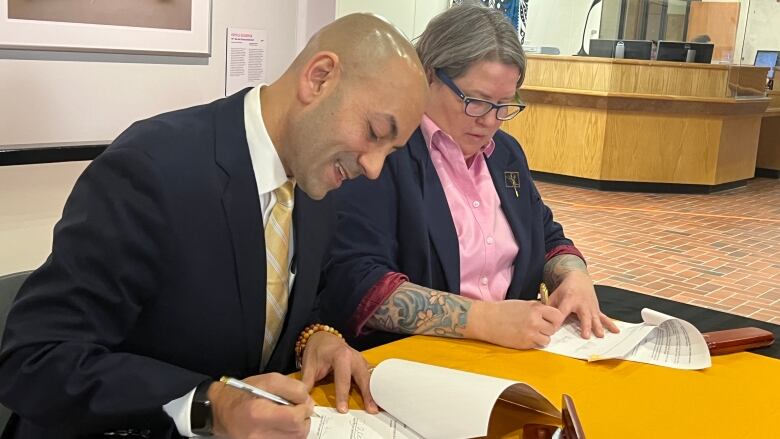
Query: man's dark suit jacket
{"points": [[401, 222], [156, 281]]}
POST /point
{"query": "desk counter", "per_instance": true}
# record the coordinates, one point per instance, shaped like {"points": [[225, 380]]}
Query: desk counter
{"points": [[768, 158], [641, 122]]}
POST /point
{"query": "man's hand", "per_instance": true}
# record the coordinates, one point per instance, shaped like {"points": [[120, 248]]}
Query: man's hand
{"points": [[575, 294], [325, 353], [518, 324], [240, 415]]}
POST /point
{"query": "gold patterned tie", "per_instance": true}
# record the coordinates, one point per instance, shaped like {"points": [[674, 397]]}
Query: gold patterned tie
{"points": [[277, 248]]}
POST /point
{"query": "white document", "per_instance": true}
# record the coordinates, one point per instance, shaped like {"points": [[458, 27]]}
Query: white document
{"points": [[245, 61], [660, 339], [423, 401], [357, 424]]}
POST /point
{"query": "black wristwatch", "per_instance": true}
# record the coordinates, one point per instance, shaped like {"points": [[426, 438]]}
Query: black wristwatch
{"points": [[201, 418]]}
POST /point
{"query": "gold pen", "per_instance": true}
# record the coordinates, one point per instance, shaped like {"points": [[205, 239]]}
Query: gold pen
{"points": [[544, 295]]}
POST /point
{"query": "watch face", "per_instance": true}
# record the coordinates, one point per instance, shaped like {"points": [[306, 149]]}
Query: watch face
{"points": [[199, 414]]}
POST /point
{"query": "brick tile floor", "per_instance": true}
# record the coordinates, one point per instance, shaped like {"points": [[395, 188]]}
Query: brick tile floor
{"points": [[720, 251]]}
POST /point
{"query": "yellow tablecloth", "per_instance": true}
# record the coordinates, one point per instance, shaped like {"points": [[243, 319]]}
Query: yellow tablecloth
{"points": [[735, 398]]}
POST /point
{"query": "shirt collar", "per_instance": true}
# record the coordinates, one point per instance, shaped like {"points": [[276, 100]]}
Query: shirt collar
{"points": [[430, 130], [267, 166]]}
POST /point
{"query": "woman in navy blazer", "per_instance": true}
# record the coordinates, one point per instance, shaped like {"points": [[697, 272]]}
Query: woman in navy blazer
{"points": [[453, 239]]}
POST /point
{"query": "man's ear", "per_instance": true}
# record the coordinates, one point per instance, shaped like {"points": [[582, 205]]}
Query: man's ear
{"points": [[319, 76], [430, 75]]}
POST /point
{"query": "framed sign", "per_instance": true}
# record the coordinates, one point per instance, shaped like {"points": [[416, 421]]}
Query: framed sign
{"points": [[169, 27]]}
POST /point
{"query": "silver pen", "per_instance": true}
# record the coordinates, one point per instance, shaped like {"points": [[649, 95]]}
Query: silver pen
{"points": [[252, 390]]}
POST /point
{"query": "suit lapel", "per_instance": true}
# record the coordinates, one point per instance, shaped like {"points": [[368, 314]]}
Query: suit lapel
{"points": [[313, 220], [437, 212], [241, 204], [516, 208]]}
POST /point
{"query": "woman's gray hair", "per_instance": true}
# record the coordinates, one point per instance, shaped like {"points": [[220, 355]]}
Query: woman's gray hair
{"points": [[465, 35]]}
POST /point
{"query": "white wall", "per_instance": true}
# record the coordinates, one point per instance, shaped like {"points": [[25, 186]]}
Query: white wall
{"points": [[555, 23], [424, 10], [67, 100], [411, 16], [312, 16], [31, 200], [762, 28], [559, 23]]}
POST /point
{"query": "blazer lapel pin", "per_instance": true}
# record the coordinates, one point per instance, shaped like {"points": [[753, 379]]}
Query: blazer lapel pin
{"points": [[512, 180]]}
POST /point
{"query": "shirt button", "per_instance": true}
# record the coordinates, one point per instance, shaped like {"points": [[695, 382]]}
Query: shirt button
{"points": [[489, 240], [475, 203], [483, 281]]}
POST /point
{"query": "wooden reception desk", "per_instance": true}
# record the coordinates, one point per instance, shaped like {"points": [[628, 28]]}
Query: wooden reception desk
{"points": [[641, 125], [768, 159]]}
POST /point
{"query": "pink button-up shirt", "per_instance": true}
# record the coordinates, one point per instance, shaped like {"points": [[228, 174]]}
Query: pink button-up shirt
{"points": [[485, 240]]}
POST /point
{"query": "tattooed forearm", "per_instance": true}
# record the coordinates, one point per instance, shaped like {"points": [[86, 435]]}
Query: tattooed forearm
{"points": [[556, 269], [413, 309]]}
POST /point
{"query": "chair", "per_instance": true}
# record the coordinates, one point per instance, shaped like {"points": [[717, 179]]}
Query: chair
{"points": [[9, 286]]}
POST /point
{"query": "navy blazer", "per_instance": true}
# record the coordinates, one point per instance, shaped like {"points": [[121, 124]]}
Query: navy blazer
{"points": [[156, 282], [401, 222]]}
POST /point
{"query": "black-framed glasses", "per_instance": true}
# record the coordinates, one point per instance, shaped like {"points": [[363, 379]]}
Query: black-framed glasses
{"points": [[476, 107]]}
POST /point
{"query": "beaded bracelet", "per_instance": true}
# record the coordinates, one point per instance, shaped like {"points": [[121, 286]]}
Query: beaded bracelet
{"points": [[303, 338]]}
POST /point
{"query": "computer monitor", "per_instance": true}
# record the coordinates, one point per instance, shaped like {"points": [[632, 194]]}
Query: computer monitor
{"points": [[768, 58], [679, 50], [632, 49]]}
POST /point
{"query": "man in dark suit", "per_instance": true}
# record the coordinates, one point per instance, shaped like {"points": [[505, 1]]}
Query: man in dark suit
{"points": [[163, 276]]}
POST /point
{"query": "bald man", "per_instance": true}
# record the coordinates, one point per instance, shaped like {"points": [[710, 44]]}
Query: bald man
{"points": [[176, 261]]}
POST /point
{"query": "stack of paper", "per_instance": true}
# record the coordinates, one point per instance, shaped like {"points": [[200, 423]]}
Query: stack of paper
{"points": [[660, 339]]}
